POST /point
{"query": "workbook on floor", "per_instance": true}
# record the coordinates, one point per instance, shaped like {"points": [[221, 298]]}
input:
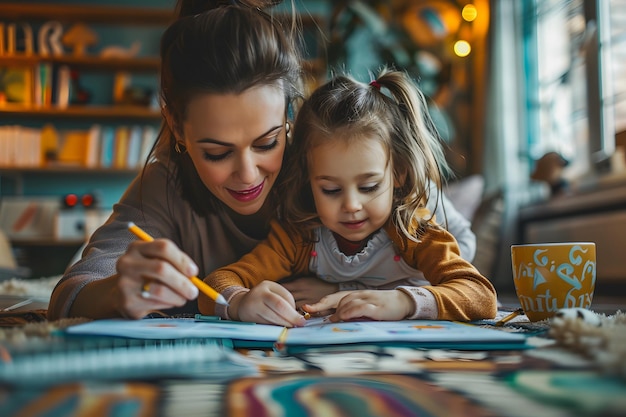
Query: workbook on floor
{"points": [[38, 361], [318, 332]]}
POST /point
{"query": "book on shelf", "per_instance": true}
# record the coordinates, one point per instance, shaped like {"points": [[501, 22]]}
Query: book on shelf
{"points": [[20, 146], [74, 148], [148, 138], [134, 147], [43, 84], [107, 143], [92, 153], [121, 147], [62, 87], [49, 142], [52, 87], [120, 150], [29, 144], [6, 145]]}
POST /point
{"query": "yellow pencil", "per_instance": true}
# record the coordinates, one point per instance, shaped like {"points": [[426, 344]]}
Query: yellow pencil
{"points": [[279, 345], [509, 317], [201, 285]]}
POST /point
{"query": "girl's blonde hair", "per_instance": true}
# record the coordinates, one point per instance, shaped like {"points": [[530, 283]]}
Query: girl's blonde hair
{"points": [[390, 108]]}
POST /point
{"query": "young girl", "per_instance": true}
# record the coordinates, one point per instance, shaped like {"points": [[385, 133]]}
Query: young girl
{"points": [[355, 189]]}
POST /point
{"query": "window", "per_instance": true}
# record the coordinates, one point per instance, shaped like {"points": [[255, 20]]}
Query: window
{"points": [[576, 59], [613, 62]]}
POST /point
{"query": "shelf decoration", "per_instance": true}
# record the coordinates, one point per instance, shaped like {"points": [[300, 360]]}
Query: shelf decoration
{"points": [[10, 39], [49, 143], [78, 93], [116, 51], [15, 85], [79, 37], [49, 38]]}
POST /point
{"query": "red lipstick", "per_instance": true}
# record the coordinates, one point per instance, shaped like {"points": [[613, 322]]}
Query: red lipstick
{"points": [[249, 194]]}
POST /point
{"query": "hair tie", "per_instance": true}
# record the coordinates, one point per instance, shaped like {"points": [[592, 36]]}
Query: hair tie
{"points": [[375, 84]]}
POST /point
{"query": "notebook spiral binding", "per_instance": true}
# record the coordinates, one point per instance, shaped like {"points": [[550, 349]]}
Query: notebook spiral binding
{"points": [[87, 359]]}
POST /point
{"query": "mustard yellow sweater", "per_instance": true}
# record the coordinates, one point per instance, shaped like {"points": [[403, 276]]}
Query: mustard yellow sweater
{"points": [[460, 291]]}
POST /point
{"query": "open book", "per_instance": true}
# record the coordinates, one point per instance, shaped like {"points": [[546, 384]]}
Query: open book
{"points": [[318, 332]]}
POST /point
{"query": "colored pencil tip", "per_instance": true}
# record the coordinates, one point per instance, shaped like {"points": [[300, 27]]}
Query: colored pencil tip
{"points": [[221, 300]]}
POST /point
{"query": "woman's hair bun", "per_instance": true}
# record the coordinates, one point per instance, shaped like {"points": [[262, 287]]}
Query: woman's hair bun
{"points": [[194, 7]]}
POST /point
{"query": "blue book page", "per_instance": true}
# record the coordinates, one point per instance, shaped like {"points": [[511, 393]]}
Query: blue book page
{"points": [[317, 332], [164, 328], [325, 332]]}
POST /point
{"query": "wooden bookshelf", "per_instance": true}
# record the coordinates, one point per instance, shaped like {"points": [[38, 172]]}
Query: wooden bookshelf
{"points": [[68, 169], [82, 111], [46, 76], [69, 14], [135, 64], [86, 13]]}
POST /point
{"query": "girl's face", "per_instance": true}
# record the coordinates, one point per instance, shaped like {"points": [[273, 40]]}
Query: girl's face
{"points": [[352, 186], [236, 143]]}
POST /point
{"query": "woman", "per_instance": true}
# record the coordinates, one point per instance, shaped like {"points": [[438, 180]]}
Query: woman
{"points": [[230, 75]]}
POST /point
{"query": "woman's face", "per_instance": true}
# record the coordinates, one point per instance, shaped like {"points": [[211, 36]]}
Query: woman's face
{"points": [[236, 142]]}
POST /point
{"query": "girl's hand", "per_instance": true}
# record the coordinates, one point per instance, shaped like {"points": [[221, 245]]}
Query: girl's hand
{"points": [[309, 290], [269, 302], [153, 276], [372, 304], [327, 305]]}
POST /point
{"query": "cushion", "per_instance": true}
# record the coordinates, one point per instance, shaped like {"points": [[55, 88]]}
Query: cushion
{"points": [[466, 194]]}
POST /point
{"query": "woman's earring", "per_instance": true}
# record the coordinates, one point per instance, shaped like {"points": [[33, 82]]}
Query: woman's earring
{"points": [[177, 148], [288, 131]]}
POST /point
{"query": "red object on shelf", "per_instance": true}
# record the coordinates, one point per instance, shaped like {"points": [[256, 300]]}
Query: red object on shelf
{"points": [[70, 200], [88, 200]]}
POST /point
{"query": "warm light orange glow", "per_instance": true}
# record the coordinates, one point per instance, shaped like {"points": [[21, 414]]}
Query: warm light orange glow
{"points": [[462, 48], [469, 12]]}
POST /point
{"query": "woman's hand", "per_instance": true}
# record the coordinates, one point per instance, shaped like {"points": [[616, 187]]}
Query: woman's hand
{"points": [[268, 302], [153, 276], [309, 290], [372, 304]]}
